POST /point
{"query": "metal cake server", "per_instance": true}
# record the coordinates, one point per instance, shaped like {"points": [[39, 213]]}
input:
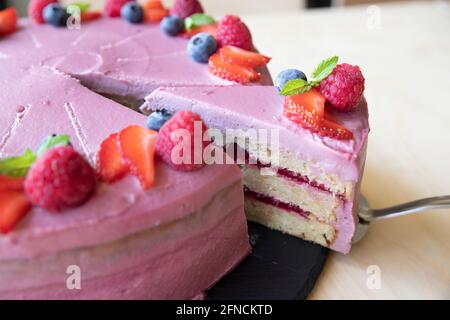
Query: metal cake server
{"points": [[367, 215]]}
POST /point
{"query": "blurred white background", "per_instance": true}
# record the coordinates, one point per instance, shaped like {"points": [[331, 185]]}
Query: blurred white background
{"points": [[239, 7]]}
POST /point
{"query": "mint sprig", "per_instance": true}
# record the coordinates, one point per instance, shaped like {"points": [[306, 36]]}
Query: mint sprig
{"points": [[197, 20], [53, 141], [17, 166], [83, 6], [298, 86]]}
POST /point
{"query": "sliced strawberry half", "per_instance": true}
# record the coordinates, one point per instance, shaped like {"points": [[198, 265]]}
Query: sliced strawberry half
{"points": [[243, 57], [306, 109], [8, 21], [153, 4], [232, 72], [90, 15], [329, 128], [110, 165], [208, 28], [11, 183], [13, 207], [137, 147], [155, 15]]}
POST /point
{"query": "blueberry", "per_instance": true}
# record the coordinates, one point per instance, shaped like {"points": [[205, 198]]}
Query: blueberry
{"points": [[202, 46], [288, 74], [157, 119], [172, 25], [132, 12], [55, 15]]}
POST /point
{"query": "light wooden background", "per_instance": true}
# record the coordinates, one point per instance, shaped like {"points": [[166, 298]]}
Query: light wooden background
{"points": [[403, 50]]}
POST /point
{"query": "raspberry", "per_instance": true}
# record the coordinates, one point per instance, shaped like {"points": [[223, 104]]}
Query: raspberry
{"points": [[185, 8], [59, 179], [232, 31], [344, 87], [112, 7], [173, 135], [36, 8]]}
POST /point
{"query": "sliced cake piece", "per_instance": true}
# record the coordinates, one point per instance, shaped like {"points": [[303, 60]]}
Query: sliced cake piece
{"points": [[173, 241], [296, 181]]}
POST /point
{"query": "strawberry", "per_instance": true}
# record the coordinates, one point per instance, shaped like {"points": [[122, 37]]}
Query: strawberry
{"points": [[90, 15], [227, 71], [155, 15], [11, 183], [308, 110], [137, 147], [241, 57], [209, 28], [312, 101], [13, 207], [329, 128], [36, 8], [110, 165], [8, 21], [153, 4]]}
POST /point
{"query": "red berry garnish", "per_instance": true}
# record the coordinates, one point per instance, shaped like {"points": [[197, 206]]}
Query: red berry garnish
{"points": [[61, 178], [344, 87], [90, 16], [185, 8], [137, 148], [155, 15], [153, 4], [231, 31], [177, 136], [241, 57], [13, 207], [8, 21], [112, 7], [11, 183], [110, 165], [331, 129], [36, 8], [308, 110], [231, 72]]}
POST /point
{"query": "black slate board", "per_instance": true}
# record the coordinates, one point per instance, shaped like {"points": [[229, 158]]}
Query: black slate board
{"points": [[280, 267]]}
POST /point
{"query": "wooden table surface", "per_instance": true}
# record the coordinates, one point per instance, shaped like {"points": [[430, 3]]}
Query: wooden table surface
{"points": [[404, 53]]}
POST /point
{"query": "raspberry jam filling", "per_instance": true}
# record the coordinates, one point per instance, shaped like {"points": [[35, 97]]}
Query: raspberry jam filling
{"points": [[275, 202], [283, 172]]}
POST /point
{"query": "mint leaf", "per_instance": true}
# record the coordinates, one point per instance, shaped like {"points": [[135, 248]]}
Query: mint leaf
{"points": [[324, 69], [197, 20], [53, 141], [295, 86], [83, 6], [17, 166]]}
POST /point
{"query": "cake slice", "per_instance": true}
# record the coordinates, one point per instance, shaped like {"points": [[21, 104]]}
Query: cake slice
{"points": [[173, 241], [296, 181]]}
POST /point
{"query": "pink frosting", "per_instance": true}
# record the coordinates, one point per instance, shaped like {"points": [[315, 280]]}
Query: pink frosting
{"points": [[112, 56], [260, 107], [41, 102]]}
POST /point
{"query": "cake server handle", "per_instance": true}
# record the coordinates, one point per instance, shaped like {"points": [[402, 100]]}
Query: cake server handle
{"points": [[441, 202]]}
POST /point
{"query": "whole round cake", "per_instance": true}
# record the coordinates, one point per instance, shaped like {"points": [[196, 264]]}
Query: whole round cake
{"points": [[114, 183]]}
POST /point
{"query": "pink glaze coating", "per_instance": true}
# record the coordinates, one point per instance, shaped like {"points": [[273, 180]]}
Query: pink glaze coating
{"points": [[38, 101], [261, 107], [111, 56]]}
